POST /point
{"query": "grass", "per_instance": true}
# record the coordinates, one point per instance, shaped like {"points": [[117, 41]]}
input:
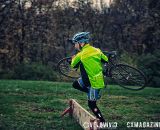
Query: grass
{"points": [[37, 105]]}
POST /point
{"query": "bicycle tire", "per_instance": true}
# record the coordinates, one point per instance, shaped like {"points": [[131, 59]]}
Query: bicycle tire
{"points": [[128, 77], [65, 69]]}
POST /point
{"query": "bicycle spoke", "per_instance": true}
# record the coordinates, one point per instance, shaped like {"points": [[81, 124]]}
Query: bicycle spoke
{"points": [[128, 77], [66, 70]]}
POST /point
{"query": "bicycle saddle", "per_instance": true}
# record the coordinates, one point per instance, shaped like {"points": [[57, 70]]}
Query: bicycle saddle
{"points": [[110, 53]]}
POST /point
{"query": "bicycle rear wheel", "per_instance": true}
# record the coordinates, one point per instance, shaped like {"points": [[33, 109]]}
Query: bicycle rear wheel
{"points": [[65, 69], [128, 77]]}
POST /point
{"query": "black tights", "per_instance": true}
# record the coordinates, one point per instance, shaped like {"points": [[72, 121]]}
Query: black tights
{"points": [[92, 104], [77, 86]]}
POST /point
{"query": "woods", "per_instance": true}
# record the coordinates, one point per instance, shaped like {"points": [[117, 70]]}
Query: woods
{"points": [[34, 33]]}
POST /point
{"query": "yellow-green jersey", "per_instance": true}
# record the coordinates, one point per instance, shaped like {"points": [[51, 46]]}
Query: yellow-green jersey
{"points": [[90, 59]]}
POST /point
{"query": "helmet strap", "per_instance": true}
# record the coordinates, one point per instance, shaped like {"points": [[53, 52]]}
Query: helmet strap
{"points": [[80, 46]]}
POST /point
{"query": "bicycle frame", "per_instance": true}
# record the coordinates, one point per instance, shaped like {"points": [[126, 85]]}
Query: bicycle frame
{"points": [[112, 61], [120, 73]]}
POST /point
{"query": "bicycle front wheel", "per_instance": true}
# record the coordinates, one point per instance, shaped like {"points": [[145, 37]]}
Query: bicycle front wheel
{"points": [[65, 68], [128, 77]]}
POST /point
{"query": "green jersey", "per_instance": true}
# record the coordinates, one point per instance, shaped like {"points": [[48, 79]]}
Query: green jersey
{"points": [[89, 59]]}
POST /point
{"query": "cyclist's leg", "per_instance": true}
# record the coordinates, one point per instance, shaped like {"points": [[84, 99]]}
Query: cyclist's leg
{"points": [[93, 96], [78, 84]]}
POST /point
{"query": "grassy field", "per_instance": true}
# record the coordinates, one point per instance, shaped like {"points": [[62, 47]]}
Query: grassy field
{"points": [[30, 105]]}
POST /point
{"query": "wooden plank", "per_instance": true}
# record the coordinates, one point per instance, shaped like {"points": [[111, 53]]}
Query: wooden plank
{"points": [[83, 117]]}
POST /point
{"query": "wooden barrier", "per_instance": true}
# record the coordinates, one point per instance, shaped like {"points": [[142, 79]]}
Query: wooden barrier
{"points": [[83, 117]]}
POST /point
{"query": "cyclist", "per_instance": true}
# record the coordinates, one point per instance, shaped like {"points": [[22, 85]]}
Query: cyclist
{"points": [[89, 59]]}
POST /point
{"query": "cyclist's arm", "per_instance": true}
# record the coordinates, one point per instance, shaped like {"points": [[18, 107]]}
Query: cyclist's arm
{"points": [[75, 61], [104, 58]]}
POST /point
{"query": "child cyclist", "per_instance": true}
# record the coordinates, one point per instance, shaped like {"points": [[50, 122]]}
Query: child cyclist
{"points": [[89, 60]]}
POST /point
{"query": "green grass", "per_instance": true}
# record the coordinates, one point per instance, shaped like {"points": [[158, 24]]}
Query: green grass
{"points": [[37, 105]]}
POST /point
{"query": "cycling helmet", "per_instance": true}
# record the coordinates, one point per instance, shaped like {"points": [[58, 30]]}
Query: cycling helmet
{"points": [[81, 37]]}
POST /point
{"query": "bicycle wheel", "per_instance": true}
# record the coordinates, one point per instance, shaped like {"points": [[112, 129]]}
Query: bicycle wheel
{"points": [[128, 77], [65, 69]]}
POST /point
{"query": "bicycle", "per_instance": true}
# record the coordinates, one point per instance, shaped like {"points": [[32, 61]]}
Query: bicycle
{"points": [[124, 75]]}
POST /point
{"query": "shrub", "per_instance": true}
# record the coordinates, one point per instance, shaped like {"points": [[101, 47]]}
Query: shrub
{"points": [[6, 74], [34, 71], [127, 58], [150, 64]]}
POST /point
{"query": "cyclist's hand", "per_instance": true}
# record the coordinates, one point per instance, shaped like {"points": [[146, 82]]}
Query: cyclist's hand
{"points": [[69, 61]]}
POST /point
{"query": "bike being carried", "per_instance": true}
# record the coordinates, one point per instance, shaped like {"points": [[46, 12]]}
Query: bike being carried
{"points": [[124, 75], [89, 61]]}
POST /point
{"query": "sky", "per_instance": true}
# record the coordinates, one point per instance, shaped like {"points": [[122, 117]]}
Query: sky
{"points": [[106, 2], [96, 3]]}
